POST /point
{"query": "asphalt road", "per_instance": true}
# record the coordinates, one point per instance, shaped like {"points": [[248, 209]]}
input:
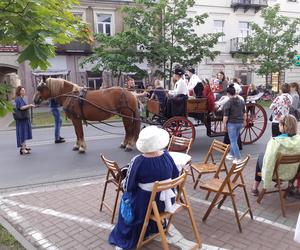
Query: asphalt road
{"points": [[51, 162]]}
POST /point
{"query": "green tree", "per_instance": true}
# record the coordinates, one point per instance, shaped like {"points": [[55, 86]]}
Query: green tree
{"points": [[272, 45], [37, 25], [117, 54], [5, 105], [167, 33]]}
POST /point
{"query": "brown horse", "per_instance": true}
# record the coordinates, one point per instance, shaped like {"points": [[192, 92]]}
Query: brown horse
{"points": [[95, 105]]}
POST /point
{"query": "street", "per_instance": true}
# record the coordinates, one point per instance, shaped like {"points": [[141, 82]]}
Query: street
{"points": [[51, 162]]}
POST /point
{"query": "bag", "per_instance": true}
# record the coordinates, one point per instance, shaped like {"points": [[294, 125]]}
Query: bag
{"points": [[19, 114], [126, 208]]}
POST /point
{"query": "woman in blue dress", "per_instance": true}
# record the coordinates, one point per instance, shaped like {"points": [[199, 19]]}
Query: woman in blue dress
{"points": [[23, 127], [152, 165]]}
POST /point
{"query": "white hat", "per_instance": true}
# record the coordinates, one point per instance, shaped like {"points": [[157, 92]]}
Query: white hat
{"points": [[152, 139]]}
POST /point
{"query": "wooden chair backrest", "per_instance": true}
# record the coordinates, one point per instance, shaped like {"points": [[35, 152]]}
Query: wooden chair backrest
{"points": [[286, 159], [177, 184], [112, 168], [236, 172], [180, 144], [219, 147]]}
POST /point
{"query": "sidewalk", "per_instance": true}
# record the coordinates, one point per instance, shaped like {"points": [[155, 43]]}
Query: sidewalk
{"points": [[66, 216], [5, 121]]}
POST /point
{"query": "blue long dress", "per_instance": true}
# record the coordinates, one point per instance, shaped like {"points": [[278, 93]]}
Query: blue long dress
{"points": [[142, 170], [23, 127]]}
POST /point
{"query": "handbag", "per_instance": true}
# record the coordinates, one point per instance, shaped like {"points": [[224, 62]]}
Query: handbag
{"points": [[126, 208], [19, 114]]}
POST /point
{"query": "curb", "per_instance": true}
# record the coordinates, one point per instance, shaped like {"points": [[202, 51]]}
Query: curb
{"points": [[10, 128], [18, 236], [55, 184]]}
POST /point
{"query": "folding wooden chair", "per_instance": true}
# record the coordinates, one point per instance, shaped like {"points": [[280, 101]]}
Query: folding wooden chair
{"points": [[153, 213], [181, 144], [226, 187], [210, 165], [287, 160], [113, 176]]}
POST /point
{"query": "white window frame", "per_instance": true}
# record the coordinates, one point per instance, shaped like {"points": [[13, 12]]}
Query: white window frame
{"points": [[217, 29], [112, 13], [243, 31]]}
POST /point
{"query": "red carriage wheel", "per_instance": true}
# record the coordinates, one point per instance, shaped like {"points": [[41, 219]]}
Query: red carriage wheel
{"points": [[181, 127], [217, 127], [256, 123]]}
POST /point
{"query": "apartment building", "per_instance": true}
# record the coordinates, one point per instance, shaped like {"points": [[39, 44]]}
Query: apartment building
{"points": [[103, 17], [232, 17]]}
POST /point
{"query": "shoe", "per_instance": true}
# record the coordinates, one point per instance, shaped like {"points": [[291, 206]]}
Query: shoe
{"points": [[229, 157], [237, 161], [254, 192], [24, 152], [61, 140]]}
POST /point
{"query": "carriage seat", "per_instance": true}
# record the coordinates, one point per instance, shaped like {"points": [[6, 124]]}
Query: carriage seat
{"points": [[176, 106]]}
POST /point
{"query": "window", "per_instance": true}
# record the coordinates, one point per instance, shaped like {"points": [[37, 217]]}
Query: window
{"points": [[79, 14], [219, 27], [94, 82], [104, 24], [244, 29]]}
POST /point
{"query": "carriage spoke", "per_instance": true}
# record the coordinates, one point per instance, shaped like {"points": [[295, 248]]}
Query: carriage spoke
{"points": [[254, 132]]}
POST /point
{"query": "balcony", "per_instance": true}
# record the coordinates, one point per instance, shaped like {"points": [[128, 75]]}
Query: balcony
{"points": [[235, 46], [9, 48], [249, 4], [75, 47]]}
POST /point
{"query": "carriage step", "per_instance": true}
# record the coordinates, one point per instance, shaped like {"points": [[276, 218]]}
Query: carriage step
{"points": [[216, 118], [212, 134]]}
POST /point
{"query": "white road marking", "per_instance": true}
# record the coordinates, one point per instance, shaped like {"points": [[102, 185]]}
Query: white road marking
{"points": [[52, 212], [38, 236], [256, 218], [175, 237]]}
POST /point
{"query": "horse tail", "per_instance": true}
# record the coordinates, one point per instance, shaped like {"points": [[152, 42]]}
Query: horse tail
{"points": [[136, 123]]}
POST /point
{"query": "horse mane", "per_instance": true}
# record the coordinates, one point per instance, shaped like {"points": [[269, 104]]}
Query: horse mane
{"points": [[56, 85]]}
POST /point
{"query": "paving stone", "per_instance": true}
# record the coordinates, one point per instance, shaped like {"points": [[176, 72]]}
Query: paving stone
{"points": [[67, 216]]}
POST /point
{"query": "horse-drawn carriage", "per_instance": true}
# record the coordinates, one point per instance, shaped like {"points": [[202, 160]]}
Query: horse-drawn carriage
{"points": [[196, 109]]}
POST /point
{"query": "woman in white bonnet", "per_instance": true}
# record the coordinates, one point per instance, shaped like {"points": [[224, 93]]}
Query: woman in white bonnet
{"points": [[154, 164]]}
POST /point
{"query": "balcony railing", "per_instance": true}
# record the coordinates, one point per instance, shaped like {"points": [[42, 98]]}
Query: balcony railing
{"points": [[74, 47], [249, 4], [235, 46], [9, 48]]}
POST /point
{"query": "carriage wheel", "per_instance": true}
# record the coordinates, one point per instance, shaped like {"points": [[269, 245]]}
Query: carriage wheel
{"points": [[181, 127], [217, 127], [256, 123]]}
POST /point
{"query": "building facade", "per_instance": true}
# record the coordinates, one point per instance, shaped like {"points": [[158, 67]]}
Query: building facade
{"points": [[232, 17]]}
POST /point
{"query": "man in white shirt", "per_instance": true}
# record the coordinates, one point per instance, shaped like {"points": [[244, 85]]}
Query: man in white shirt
{"points": [[194, 79], [180, 87]]}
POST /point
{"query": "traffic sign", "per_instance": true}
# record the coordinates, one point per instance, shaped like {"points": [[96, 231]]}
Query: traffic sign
{"points": [[297, 60]]}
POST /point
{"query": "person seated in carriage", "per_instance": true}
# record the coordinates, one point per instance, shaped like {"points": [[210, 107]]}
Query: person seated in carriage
{"points": [[195, 86], [207, 93], [159, 94], [176, 103], [224, 99]]}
